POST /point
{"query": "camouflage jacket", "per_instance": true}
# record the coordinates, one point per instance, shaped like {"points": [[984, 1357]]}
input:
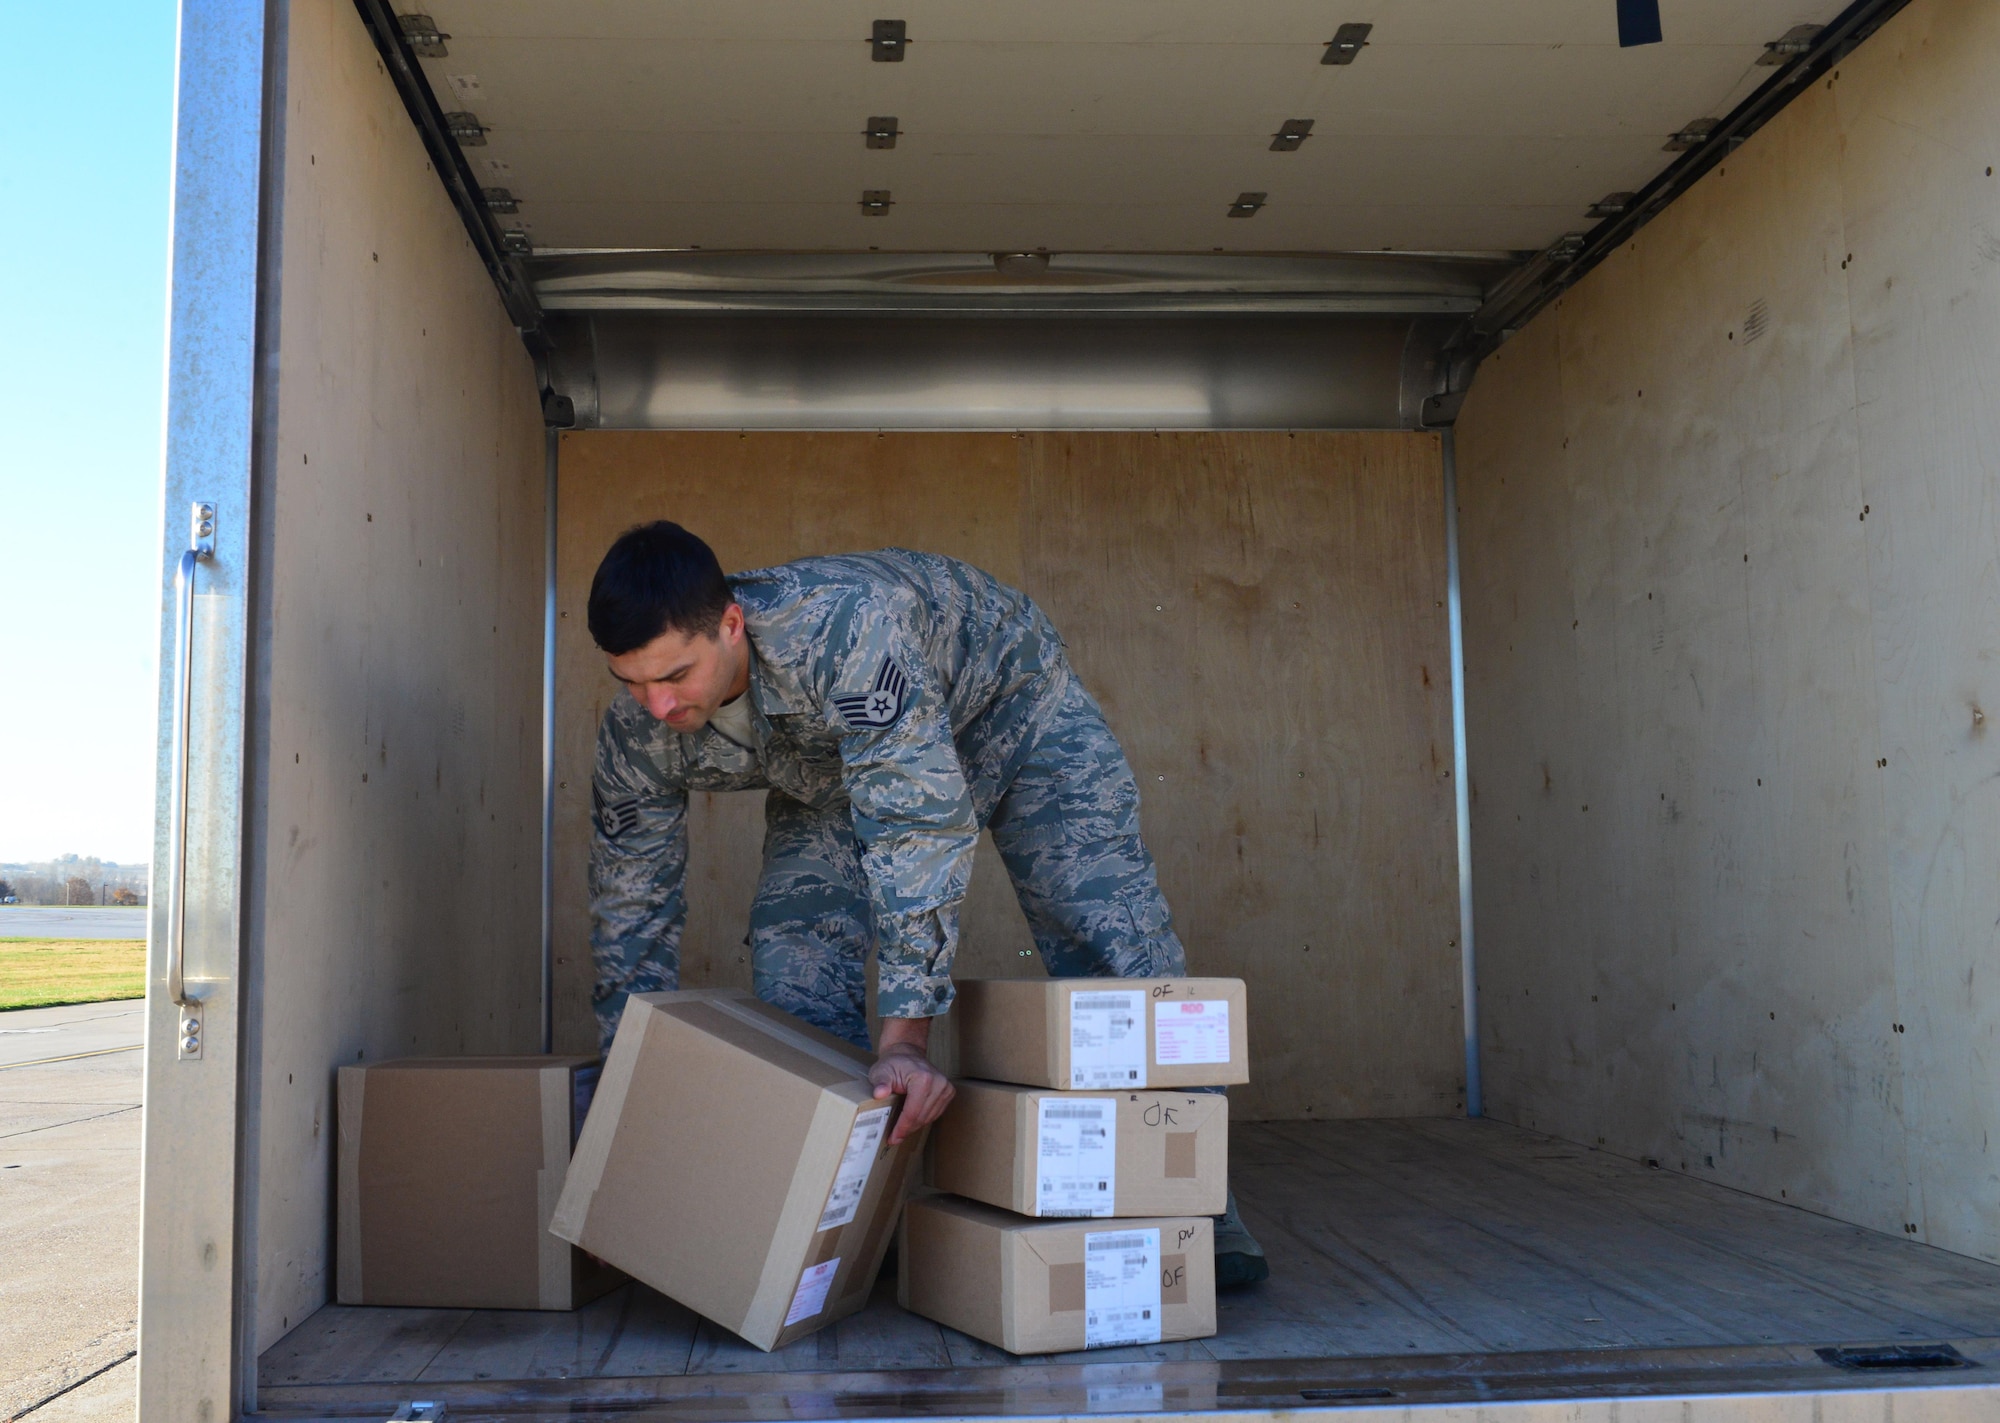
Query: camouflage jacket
{"points": [[905, 687]]}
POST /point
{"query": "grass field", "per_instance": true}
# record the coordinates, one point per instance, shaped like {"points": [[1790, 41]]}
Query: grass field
{"points": [[41, 973]]}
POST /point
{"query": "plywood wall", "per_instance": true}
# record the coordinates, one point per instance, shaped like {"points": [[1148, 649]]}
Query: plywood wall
{"points": [[1731, 521], [1261, 616], [393, 896]]}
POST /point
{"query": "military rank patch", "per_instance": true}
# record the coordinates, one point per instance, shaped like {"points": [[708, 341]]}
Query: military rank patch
{"points": [[615, 817], [881, 705]]}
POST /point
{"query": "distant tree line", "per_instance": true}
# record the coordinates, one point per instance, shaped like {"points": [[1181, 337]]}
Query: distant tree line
{"points": [[74, 879]]}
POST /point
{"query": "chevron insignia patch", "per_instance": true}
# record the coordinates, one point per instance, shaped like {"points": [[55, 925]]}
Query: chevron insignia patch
{"points": [[880, 706], [615, 817]]}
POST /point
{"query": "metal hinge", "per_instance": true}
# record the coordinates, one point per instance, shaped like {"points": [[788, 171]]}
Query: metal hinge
{"points": [[500, 200], [1791, 44], [426, 40], [881, 131], [1248, 204], [465, 126], [1690, 135], [876, 202]]}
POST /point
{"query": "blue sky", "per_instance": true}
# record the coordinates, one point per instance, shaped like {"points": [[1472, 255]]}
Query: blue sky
{"points": [[86, 143]]}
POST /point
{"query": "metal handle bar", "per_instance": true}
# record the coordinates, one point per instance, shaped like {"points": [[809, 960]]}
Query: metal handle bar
{"points": [[201, 546]]}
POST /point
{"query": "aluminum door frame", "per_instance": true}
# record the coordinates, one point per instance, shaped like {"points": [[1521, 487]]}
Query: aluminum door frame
{"points": [[192, 1245]]}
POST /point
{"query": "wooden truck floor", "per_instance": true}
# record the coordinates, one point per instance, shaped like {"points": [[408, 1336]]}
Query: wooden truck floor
{"points": [[1407, 1257]]}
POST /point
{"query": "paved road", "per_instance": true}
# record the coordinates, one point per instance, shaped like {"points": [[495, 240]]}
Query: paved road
{"points": [[69, 1198], [37, 921], [29, 1035]]}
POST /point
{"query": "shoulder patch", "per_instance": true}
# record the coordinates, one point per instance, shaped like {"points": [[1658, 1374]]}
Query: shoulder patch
{"points": [[882, 705], [615, 817]]}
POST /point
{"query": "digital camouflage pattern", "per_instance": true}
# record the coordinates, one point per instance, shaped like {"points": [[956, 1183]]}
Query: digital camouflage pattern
{"points": [[900, 701]]}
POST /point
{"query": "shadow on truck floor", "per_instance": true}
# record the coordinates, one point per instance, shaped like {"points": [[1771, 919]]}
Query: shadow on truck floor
{"points": [[1412, 1260]]}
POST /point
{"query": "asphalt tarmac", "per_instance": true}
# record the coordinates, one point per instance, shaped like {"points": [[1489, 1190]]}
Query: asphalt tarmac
{"points": [[69, 1195], [43, 921]]}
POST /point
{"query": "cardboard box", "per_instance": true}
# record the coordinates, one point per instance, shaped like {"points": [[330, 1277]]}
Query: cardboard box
{"points": [[449, 1169], [1098, 1033], [1047, 1287], [1047, 1153], [737, 1161]]}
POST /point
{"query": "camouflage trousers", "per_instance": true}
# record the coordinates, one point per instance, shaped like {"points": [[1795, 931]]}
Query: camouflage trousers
{"points": [[1067, 828]]}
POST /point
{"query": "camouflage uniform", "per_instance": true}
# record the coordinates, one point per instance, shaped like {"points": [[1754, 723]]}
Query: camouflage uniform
{"points": [[900, 701]]}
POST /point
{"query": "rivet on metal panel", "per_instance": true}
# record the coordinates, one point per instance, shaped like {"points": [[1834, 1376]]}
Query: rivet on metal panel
{"points": [[1348, 41]]}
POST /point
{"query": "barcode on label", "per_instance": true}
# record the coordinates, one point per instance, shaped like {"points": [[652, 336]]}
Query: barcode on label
{"points": [[1107, 1038], [1076, 1157], [851, 1180], [1121, 1288]]}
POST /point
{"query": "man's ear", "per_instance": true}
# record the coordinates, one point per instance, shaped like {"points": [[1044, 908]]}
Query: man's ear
{"points": [[731, 627]]}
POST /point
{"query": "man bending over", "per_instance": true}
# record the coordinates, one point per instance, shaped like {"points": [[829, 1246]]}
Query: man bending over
{"points": [[892, 704]]}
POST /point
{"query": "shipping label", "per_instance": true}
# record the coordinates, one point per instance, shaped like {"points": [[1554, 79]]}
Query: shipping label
{"points": [[1121, 1287], [1107, 1039], [810, 1297], [863, 1141], [1076, 1156], [1191, 1031]]}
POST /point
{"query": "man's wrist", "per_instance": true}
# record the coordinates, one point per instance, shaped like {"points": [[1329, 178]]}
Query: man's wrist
{"points": [[905, 1033]]}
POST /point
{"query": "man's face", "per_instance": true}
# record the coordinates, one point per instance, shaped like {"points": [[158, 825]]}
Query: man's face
{"points": [[681, 680]]}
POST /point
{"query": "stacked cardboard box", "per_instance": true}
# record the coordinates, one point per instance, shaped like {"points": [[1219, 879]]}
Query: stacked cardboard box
{"points": [[449, 1171], [1081, 1174]]}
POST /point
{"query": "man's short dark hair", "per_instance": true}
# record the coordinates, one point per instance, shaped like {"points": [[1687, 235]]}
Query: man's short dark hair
{"points": [[657, 576]]}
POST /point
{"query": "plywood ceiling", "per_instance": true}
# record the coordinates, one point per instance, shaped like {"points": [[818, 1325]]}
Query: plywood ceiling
{"points": [[1081, 125]]}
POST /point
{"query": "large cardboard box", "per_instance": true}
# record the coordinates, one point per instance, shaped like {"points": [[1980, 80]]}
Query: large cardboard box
{"points": [[1048, 1153], [449, 1169], [1096, 1033], [736, 1160], [1045, 1287]]}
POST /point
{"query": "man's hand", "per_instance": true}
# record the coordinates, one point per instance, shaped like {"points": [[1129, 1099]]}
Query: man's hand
{"points": [[904, 1068]]}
